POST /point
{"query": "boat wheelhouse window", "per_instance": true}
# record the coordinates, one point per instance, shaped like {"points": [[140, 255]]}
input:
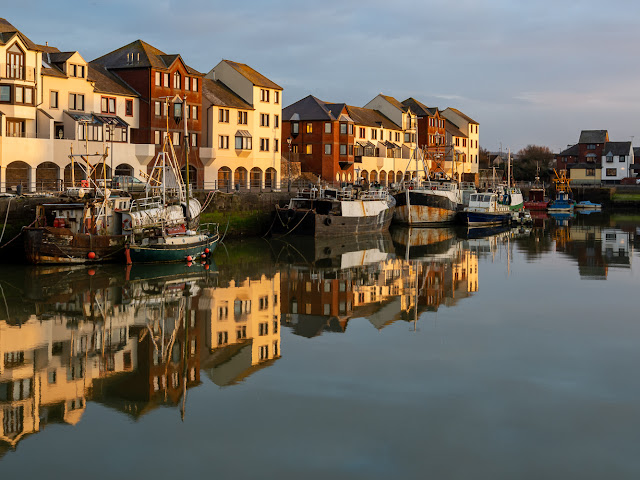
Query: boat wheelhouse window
{"points": [[486, 198]]}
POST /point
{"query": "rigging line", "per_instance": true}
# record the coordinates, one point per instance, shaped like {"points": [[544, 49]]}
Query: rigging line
{"points": [[6, 217]]}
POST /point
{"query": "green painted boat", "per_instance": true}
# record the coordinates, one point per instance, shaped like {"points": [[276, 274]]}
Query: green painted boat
{"points": [[164, 249]]}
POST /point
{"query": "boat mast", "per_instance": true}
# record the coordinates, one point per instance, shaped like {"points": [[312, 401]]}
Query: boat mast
{"points": [[186, 157], [509, 168]]}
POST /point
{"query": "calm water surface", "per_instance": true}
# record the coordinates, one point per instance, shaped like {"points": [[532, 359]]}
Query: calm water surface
{"points": [[414, 355]]}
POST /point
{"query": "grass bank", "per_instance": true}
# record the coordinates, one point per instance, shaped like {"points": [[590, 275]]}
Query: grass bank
{"points": [[240, 223]]}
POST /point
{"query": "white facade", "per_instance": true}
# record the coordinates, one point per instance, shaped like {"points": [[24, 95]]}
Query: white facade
{"points": [[616, 167]]}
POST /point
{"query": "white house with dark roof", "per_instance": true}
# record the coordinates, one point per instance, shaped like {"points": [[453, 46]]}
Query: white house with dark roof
{"points": [[617, 158], [243, 126]]}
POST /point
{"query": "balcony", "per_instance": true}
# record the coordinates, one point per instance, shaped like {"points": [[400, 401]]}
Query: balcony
{"points": [[25, 74]]}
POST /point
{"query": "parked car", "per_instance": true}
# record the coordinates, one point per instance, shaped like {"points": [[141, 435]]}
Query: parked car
{"points": [[128, 183]]}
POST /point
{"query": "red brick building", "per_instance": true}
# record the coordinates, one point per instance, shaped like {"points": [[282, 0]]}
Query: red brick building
{"points": [[156, 76], [322, 138]]}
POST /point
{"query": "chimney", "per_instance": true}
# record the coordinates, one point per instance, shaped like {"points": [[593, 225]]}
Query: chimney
{"points": [[46, 44]]}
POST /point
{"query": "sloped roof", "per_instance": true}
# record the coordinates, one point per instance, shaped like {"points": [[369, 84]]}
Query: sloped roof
{"points": [[453, 129], [617, 148], [308, 109], [466, 117], [52, 72], [8, 31], [106, 82], [572, 151], [60, 57], [253, 76], [419, 108], [593, 136], [370, 118], [395, 103], [144, 56], [220, 95], [336, 109]]}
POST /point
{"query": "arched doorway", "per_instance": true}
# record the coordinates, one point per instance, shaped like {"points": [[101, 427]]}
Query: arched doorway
{"points": [[79, 175], [124, 169], [373, 177], [255, 178], [240, 178], [18, 173], [383, 177], [270, 178], [224, 178], [193, 176], [391, 178], [364, 175], [399, 176], [47, 177], [407, 176]]}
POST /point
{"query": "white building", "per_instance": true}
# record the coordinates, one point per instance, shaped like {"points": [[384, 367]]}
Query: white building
{"points": [[617, 158]]}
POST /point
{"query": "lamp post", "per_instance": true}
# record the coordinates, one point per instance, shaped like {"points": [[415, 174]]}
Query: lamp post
{"points": [[289, 166], [111, 130]]}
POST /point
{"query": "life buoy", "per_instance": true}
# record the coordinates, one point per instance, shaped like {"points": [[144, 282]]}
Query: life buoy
{"points": [[126, 224], [327, 221]]}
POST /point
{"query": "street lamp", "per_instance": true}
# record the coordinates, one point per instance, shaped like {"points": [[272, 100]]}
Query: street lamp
{"points": [[289, 166]]}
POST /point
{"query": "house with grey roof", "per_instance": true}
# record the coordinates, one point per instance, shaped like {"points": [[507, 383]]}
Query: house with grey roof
{"points": [[617, 158]]}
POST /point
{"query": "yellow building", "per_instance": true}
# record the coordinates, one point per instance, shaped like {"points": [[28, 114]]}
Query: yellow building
{"points": [[241, 128]]}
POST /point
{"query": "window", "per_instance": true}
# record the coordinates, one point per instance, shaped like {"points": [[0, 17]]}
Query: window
{"points": [[53, 99], [176, 138], [327, 149], [194, 139], [591, 146], [194, 84], [276, 145], [223, 142], [76, 101], [309, 128], [464, 142], [276, 97], [327, 127], [156, 135], [158, 109], [15, 62], [294, 127], [264, 119], [166, 79], [294, 148], [76, 71], [276, 121], [158, 79], [243, 143], [15, 128], [308, 149], [264, 95], [350, 152], [223, 115], [128, 107], [374, 134], [611, 172], [194, 112], [591, 172], [5, 93], [242, 118], [343, 149], [343, 129], [397, 136], [621, 157], [264, 144], [351, 129], [609, 158], [108, 105], [187, 83], [177, 80], [361, 132], [19, 94]]}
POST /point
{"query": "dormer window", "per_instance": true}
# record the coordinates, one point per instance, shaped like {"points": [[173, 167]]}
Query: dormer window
{"points": [[609, 157], [15, 62], [177, 80], [76, 71]]}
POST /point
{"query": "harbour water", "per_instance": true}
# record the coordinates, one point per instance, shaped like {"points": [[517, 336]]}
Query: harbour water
{"points": [[415, 354]]}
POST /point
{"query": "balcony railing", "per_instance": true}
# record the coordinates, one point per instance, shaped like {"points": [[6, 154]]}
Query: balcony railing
{"points": [[9, 72]]}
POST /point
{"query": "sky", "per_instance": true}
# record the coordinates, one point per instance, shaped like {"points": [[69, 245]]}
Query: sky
{"points": [[529, 72]]}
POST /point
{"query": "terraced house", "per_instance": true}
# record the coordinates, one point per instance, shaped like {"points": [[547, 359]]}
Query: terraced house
{"points": [[241, 128]]}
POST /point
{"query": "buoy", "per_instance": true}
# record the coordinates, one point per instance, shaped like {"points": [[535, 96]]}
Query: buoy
{"points": [[203, 256], [206, 266], [91, 272], [206, 250], [127, 255], [189, 258], [91, 255], [189, 263]]}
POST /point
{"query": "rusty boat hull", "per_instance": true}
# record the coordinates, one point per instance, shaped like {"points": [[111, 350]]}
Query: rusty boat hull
{"points": [[56, 245], [424, 208], [309, 222]]}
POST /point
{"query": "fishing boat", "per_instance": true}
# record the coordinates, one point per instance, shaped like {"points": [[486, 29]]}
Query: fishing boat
{"points": [[563, 201], [329, 211], [537, 198], [87, 229], [165, 225], [485, 209]]}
